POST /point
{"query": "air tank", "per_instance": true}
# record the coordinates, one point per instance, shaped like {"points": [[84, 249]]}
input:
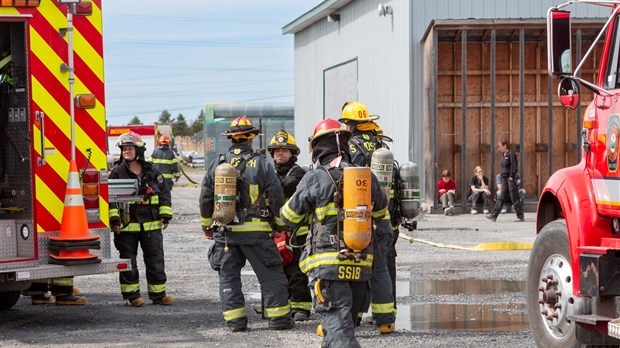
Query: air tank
{"points": [[382, 164], [410, 192], [225, 194]]}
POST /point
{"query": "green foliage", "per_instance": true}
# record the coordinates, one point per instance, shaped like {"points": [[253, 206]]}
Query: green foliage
{"points": [[196, 125], [165, 117], [180, 126], [134, 121]]}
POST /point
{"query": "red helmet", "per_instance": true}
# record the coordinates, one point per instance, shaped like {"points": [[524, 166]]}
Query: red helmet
{"points": [[241, 128], [328, 126], [164, 140]]}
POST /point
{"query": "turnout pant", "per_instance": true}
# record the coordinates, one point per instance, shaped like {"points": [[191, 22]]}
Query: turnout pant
{"points": [[267, 265], [391, 264], [343, 302], [152, 243], [512, 190], [382, 296], [298, 290]]}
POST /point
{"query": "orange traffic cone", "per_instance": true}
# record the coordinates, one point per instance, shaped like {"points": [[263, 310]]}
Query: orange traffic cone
{"points": [[74, 240]]}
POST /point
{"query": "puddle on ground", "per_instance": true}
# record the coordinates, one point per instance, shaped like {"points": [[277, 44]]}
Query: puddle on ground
{"points": [[460, 317]]}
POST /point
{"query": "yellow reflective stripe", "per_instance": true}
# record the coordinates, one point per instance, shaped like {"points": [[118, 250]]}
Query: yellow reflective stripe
{"points": [[63, 281], [206, 221], [391, 193], [157, 288], [234, 314], [162, 161], [165, 210], [255, 225], [383, 308], [177, 175], [168, 176], [277, 312], [130, 287], [253, 193], [302, 231], [148, 226], [290, 215], [330, 258], [279, 221], [379, 213], [154, 200], [114, 213], [306, 306], [386, 216], [328, 210]]}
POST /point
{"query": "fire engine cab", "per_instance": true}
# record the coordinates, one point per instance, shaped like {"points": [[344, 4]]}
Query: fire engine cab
{"points": [[52, 113], [573, 281]]}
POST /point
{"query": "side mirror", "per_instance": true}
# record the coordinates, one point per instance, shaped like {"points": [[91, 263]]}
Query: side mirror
{"points": [[568, 91], [559, 56]]}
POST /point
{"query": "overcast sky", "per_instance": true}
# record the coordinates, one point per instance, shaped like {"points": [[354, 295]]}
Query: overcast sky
{"points": [[180, 55]]}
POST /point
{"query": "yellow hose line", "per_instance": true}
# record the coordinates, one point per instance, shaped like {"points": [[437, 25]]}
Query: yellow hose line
{"points": [[480, 247]]}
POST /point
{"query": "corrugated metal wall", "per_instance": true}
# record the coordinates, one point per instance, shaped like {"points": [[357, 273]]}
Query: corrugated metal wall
{"points": [[388, 84]]}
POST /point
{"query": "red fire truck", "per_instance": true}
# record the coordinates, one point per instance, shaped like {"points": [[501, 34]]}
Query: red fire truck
{"points": [[573, 284], [52, 111]]}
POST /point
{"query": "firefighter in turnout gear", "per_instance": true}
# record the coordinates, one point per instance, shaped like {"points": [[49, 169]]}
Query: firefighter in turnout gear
{"points": [[61, 288], [284, 151], [141, 223], [166, 162], [249, 235], [362, 144], [340, 283]]}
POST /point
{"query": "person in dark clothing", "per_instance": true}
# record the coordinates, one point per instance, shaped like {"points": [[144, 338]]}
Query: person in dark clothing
{"points": [[508, 172], [480, 191], [166, 162], [363, 143], [141, 223], [249, 236], [340, 284], [284, 151]]}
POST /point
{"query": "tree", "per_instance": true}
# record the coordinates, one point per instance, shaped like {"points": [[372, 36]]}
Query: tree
{"points": [[134, 120], [196, 126], [180, 126], [165, 117]]}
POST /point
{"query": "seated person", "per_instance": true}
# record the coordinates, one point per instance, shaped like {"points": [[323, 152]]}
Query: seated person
{"points": [[446, 191], [480, 191], [499, 181]]}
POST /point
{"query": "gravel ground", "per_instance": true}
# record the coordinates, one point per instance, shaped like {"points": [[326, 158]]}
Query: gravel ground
{"points": [[447, 297]]}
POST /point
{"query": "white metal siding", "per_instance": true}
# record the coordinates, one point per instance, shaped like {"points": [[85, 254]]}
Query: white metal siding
{"points": [[381, 46]]}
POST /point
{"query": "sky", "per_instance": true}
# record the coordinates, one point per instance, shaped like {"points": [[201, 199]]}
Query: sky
{"points": [[179, 55]]}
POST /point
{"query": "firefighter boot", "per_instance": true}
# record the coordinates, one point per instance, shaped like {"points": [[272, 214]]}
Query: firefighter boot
{"points": [[166, 300], [319, 331], [62, 299], [301, 316], [136, 302], [386, 328], [285, 324], [42, 298]]}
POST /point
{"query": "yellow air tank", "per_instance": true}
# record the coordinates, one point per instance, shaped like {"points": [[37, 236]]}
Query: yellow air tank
{"points": [[225, 194], [357, 206]]}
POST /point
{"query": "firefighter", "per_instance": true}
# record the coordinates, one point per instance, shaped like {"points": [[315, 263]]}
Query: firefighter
{"points": [[141, 223], [63, 292], [166, 162], [396, 217], [249, 235], [362, 144], [284, 151], [340, 284]]}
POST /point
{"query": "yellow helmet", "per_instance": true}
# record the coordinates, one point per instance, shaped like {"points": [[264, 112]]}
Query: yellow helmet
{"points": [[241, 128], [356, 112], [284, 140]]}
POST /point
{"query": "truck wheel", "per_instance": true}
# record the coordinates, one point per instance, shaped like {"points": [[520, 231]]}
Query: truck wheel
{"points": [[8, 299], [550, 288]]}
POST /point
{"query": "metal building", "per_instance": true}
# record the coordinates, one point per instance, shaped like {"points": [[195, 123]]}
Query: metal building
{"points": [[268, 117], [449, 78]]}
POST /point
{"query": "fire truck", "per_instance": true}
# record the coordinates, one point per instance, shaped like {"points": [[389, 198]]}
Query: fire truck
{"points": [[573, 277], [52, 114], [150, 135]]}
